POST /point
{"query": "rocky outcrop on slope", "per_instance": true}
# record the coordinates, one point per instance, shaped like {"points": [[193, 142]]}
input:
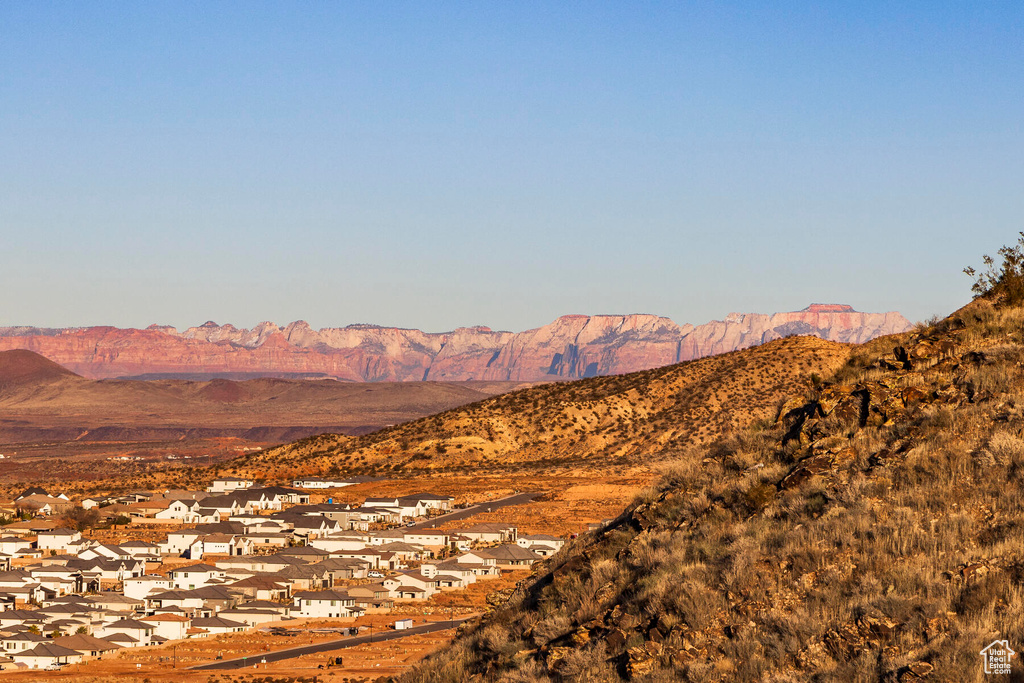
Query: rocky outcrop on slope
{"points": [[571, 347], [871, 533]]}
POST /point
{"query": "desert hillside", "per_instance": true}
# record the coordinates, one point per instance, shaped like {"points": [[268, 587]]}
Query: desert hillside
{"points": [[873, 532], [39, 399], [571, 347], [605, 422]]}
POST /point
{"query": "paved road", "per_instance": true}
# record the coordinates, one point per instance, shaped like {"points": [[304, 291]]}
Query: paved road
{"points": [[329, 646], [489, 506]]}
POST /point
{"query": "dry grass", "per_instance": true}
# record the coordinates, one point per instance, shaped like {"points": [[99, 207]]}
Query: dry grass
{"points": [[600, 423], [900, 550]]}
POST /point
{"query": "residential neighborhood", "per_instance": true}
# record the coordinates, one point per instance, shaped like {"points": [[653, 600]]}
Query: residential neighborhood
{"points": [[234, 557]]}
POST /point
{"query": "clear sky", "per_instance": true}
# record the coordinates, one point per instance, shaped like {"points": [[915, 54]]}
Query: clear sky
{"points": [[433, 165]]}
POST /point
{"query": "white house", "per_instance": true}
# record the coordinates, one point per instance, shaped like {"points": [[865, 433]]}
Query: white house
{"points": [[219, 544], [178, 542], [141, 587], [46, 655], [228, 484], [140, 631], [88, 646], [433, 501], [226, 505], [404, 507], [105, 551], [335, 543], [490, 532], [12, 545], [542, 544], [142, 550], [410, 586], [249, 616], [19, 642], [323, 604], [188, 601], [183, 510], [195, 576], [320, 483], [463, 573], [210, 626], [169, 626], [58, 578], [58, 540], [427, 538]]}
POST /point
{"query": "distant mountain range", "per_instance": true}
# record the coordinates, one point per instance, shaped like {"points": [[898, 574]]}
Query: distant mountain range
{"points": [[571, 347]]}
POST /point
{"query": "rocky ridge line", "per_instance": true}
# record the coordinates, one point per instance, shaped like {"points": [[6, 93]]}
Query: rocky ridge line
{"points": [[571, 347]]}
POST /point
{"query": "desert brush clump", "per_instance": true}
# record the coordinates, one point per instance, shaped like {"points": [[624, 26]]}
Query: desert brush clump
{"points": [[1004, 281], [872, 529]]}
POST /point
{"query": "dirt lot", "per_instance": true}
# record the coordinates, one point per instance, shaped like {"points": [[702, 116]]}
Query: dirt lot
{"points": [[568, 502]]}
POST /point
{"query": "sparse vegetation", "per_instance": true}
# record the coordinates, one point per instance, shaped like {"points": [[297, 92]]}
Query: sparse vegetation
{"points": [[1005, 280], [872, 531], [608, 422]]}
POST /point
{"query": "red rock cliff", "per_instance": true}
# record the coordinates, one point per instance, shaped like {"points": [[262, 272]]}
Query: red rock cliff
{"points": [[572, 346]]}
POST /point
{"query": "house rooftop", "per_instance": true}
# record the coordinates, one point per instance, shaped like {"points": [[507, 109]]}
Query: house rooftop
{"points": [[85, 643], [49, 650]]}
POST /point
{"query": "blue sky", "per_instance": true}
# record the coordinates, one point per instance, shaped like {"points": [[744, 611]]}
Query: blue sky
{"points": [[436, 165]]}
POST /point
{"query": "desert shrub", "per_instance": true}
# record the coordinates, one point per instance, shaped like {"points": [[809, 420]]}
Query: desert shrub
{"points": [[525, 671], [992, 379], [1005, 279], [587, 664], [1007, 449], [551, 628], [983, 594], [815, 504]]}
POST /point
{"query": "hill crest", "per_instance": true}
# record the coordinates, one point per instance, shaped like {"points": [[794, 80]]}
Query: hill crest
{"points": [[620, 421], [21, 368]]}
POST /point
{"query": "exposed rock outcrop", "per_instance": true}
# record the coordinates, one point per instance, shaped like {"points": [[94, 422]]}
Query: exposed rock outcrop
{"points": [[571, 347]]}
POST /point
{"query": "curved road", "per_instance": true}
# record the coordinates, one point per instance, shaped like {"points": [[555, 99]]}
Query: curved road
{"points": [[479, 508], [351, 641], [329, 646]]}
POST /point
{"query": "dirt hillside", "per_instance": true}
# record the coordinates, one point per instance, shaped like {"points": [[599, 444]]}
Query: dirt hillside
{"points": [[603, 422], [873, 532]]}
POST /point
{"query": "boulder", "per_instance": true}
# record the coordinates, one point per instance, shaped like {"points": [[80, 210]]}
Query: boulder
{"points": [[581, 637], [615, 640], [920, 669], [911, 396], [641, 662]]}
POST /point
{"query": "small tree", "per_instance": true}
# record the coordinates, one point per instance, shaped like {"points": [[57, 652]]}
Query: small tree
{"points": [[81, 519], [1007, 279]]}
